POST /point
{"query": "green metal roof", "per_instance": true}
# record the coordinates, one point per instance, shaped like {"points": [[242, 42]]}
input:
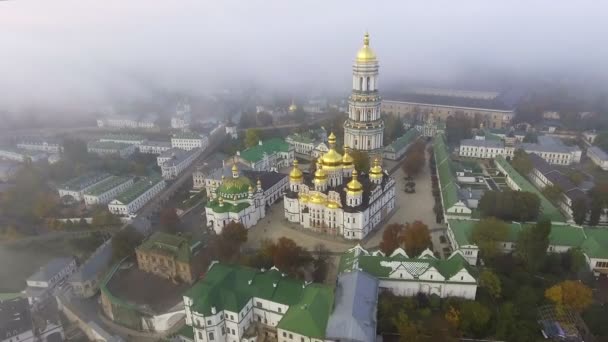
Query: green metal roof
{"points": [[140, 187], [232, 186], [227, 207], [177, 246], [305, 138], [230, 287], [403, 140], [547, 208], [84, 181], [447, 181], [270, 146], [107, 185], [596, 244]]}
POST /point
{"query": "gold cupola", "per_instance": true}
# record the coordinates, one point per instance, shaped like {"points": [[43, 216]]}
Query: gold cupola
{"points": [[295, 174], [354, 187], [366, 54], [320, 175], [332, 158], [293, 107], [347, 159], [376, 170], [235, 171]]}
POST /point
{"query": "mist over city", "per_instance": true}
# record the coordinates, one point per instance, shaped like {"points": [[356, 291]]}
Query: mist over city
{"points": [[303, 171]]}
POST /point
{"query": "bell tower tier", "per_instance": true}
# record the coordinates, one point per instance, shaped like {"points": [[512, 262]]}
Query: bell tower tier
{"points": [[364, 128]]}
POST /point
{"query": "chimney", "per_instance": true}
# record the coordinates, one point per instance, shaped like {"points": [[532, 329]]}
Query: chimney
{"points": [[213, 311]]}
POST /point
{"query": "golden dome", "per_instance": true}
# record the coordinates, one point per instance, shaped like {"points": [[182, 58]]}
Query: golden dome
{"points": [[347, 159], [319, 173], [376, 170], [366, 54], [295, 173], [332, 157], [250, 188], [303, 198], [354, 186], [317, 198], [333, 205], [293, 107]]}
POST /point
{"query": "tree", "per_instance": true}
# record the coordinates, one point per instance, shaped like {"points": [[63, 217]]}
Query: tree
{"points": [[320, 264], [252, 137], [574, 260], [491, 283], [521, 162], [361, 160], [510, 205], [602, 140], [288, 257], [169, 220], [232, 237], [487, 234], [452, 316], [576, 176], [579, 210], [414, 159], [474, 318], [247, 120], [553, 192], [570, 293], [506, 321], [393, 128], [599, 201], [102, 217], [264, 119], [532, 244], [416, 238], [531, 137], [391, 238], [409, 331], [75, 150], [457, 128], [124, 242]]}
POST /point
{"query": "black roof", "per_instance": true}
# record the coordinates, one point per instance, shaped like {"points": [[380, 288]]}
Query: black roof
{"points": [[496, 103], [268, 178], [15, 317]]}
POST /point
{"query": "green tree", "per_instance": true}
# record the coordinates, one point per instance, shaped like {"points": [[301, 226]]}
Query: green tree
{"points": [[506, 321], [553, 192], [487, 234], [393, 128], [570, 293], [474, 319], [532, 244], [490, 283], [169, 220], [361, 160], [521, 162], [252, 137], [602, 140], [264, 119], [458, 127], [232, 237], [579, 210], [409, 331], [124, 242], [510, 205], [531, 137]]}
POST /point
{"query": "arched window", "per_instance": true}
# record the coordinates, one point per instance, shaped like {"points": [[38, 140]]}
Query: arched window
{"points": [[368, 84], [360, 83]]}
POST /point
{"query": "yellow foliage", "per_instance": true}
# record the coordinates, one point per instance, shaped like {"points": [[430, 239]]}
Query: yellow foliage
{"points": [[573, 294], [453, 317]]}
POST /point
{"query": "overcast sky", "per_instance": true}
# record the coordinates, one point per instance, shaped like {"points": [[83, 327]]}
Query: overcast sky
{"points": [[81, 53]]}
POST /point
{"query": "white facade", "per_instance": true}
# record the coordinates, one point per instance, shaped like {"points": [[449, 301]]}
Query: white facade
{"points": [[123, 207], [105, 195], [147, 122], [40, 145], [154, 147], [483, 149], [189, 141], [124, 139], [47, 278], [78, 186], [104, 148], [173, 167], [364, 128], [22, 155]]}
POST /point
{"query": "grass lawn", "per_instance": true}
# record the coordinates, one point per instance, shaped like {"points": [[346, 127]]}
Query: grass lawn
{"points": [[21, 260]]}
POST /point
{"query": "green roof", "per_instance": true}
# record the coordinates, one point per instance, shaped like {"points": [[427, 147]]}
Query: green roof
{"points": [[403, 140], [305, 138], [270, 146], [596, 244], [186, 135], [547, 208], [230, 287], [232, 186], [561, 234], [377, 265], [140, 187], [84, 181], [447, 181], [175, 245], [107, 185]]}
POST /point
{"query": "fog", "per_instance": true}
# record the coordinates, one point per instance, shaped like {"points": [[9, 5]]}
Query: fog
{"points": [[80, 55]]}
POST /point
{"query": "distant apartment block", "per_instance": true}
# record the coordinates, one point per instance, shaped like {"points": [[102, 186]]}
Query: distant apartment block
{"points": [[40, 144], [76, 187], [598, 157], [130, 201], [104, 192], [104, 148], [154, 147], [188, 141]]}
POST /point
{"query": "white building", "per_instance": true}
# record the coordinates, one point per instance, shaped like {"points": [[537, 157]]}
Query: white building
{"points": [[210, 168], [76, 187], [145, 122], [41, 283], [364, 128], [129, 139], [237, 199], [405, 276], [188, 141], [104, 148], [130, 201], [232, 302], [104, 192], [182, 117], [589, 137], [232, 130], [177, 161], [40, 144], [484, 149], [21, 155], [598, 157], [329, 203], [154, 147], [308, 143]]}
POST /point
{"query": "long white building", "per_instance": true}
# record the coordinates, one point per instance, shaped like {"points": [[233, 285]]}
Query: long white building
{"points": [[104, 192], [21, 155], [598, 157], [130, 139], [130, 201], [40, 144], [76, 187], [104, 148], [154, 147], [145, 122], [336, 200], [177, 161], [408, 276], [188, 141]]}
